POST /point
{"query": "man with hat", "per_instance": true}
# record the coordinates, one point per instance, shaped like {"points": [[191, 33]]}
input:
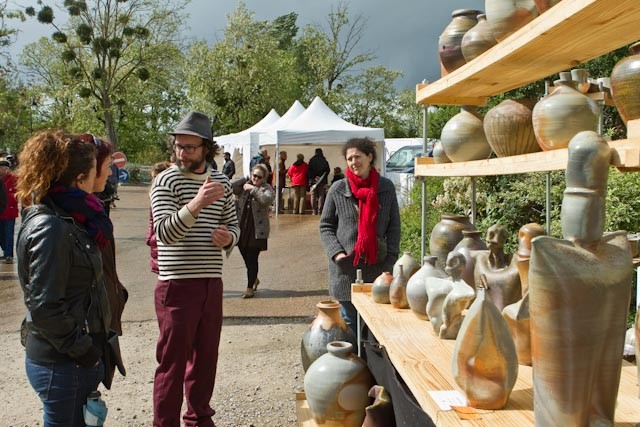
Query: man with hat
{"points": [[194, 219]]}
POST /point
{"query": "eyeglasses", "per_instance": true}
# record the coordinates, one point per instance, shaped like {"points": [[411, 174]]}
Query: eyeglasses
{"points": [[258, 176], [190, 149]]}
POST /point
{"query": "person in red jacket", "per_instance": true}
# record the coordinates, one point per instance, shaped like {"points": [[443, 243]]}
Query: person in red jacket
{"points": [[298, 174], [10, 213]]}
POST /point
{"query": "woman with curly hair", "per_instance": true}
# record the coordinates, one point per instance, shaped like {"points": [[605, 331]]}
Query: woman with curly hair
{"points": [[60, 271]]}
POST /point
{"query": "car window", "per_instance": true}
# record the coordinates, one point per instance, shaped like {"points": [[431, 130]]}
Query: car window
{"points": [[404, 157]]}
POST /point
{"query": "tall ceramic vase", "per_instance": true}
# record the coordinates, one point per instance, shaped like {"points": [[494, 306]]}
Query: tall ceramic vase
{"points": [[463, 137], [507, 16], [328, 326], [398, 290], [446, 234], [471, 241], [416, 290], [449, 43], [509, 128], [478, 39], [625, 81], [337, 386], [561, 115]]}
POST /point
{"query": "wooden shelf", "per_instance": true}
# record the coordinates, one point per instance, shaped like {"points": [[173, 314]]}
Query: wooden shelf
{"points": [[424, 362], [568, 34], [626, 157]]}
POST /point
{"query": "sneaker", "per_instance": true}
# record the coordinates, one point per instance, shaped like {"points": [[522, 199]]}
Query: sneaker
{"points": [[8, 260]]}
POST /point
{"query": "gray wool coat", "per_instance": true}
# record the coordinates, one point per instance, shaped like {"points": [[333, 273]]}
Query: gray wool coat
{"points": [[260, 204], [339, 232]]}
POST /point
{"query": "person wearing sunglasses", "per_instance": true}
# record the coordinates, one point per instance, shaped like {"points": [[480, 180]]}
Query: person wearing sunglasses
{"points": [[254, 198]]}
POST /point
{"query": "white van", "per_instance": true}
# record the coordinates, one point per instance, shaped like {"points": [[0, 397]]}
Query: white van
{"points": [[400, 166]]}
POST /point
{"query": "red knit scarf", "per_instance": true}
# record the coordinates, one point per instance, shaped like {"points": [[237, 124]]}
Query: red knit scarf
{"points": [[366, 191]]}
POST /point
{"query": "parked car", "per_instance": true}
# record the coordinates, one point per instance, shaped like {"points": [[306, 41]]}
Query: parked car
{"points": [[400, 167]]}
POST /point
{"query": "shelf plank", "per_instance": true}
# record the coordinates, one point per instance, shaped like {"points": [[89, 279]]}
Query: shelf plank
{"points": [[424, 362], [568, 34], [626, 156]]}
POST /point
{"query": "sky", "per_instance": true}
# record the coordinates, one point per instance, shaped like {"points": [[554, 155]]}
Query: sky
{"points": [[402, 34]]}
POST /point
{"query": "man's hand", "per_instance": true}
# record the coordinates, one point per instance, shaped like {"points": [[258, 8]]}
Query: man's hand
{"points": [[208, 193], [221, 237]]}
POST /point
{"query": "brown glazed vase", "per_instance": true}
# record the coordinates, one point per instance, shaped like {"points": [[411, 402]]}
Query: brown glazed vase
{"points": [[507, 16], [561, 115], [416, 286], [446, 234], [449, 43], [471, 241], [485, 364], [463, 137], [328, 326], [544, 5], [380, 288], [509, 128], [478, 39], [337, 386], [398, 290], [625, 81]]}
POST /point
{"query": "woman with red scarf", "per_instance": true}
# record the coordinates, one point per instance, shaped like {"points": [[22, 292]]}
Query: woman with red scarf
{"points": [[360, 225]]}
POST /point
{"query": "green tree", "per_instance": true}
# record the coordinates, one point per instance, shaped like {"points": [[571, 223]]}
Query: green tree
{"points": [[7, 32]]}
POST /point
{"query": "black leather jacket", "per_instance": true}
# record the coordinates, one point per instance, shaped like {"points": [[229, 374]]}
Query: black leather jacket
{"points": [[60, 272]]}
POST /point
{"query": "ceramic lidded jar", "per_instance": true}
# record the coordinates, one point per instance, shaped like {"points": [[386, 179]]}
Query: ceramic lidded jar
{"points": [[328, 326], [449, 43], [439, 156], [416, 290], [337, 386], [398, 289], [463, 137], [625, 84], [561, 115], [471, 241], [446, 234], [478, 39], [507, 16], [380, 288], [509, 128], [409, 264]]}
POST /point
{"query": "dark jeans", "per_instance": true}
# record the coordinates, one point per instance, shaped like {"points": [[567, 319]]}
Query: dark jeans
{"points": [[250, 257], [7, 228], [349, 315], [317, 198], [63, 389]]}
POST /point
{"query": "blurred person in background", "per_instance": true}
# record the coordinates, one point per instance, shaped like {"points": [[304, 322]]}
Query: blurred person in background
{"points": [[10, 212], [299, 181]]}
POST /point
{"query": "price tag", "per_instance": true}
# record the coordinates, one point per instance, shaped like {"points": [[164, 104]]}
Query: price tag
{"points": [[447, 398]]}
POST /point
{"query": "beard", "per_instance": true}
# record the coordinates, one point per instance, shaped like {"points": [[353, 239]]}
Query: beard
{"points": [[192, 166]]}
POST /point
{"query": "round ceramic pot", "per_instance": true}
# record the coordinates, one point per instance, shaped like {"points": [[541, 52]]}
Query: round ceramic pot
{"points": [[328, 326], [409, 264], [471, 241], [446, 234], [509, 128], [561, 115], [478, 39], [439, 156], [337, 386], [380, 288], [416, 289], [463, 137], [625, 81], [450, 41], [507, 16], [398, 289], [544, 5]]}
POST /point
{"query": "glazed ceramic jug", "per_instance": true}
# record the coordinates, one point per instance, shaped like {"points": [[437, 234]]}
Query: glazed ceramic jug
{"points": [[463, 137], [507, 16], [625, 81], [446, 234], [398, 290], [416, 290], [439, 156], [561, 115], [380, 288], [337, 386], [328, 326], [478, 39], [409, 264], [449, 43], [509, 128], [471, 241]]}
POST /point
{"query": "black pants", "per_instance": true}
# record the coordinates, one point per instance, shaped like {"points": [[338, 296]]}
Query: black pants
{"points": [[250, 257]]}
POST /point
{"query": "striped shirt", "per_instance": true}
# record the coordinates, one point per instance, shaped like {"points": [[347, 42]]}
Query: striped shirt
{"points": [[185, 250]]}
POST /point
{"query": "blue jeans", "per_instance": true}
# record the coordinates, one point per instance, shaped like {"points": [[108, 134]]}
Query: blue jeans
{"points": [[7, 229], [349, 315], [63, 389]]}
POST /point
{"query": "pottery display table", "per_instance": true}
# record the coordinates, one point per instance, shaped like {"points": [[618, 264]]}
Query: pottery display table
{"points": [[424, 363]]}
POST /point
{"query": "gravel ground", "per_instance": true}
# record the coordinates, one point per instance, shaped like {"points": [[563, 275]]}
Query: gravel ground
{"points": [[258, 372]]}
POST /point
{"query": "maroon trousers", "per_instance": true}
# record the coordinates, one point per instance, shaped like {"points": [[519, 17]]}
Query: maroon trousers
{"points": [[190, 319]]}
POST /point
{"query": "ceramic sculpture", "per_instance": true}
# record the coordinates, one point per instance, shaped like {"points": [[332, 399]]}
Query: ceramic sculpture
{"points": [[416, 289], [526, 233], [472, 241], [457, 299]]}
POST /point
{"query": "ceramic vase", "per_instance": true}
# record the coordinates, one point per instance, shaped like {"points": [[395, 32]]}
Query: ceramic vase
{"points": [[485, 364], [463, 137], [446, 234], [526, 233], [416, 289], [328, 326], [380, 288], [544, 5], [507, 16], [625, 84], [518, 320], [509, 128], [471, 241], [398, 289], [449, 43], [409, 264], [478, 39], [380, 412], [437, 291], [337, 386], [561, 115], [439, 156]]}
